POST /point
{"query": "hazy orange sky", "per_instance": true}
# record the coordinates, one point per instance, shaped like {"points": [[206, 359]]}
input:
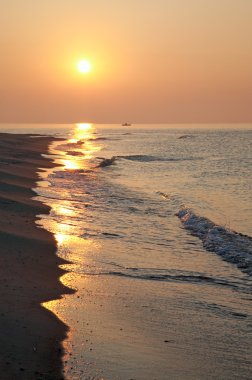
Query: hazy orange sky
{"points": [[153, 60]]}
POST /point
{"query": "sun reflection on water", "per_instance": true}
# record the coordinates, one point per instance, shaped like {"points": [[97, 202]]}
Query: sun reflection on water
{"points": [[61, 210], [74, 154], [81, 148], [76, 157], [83, 131], [61, 238]]}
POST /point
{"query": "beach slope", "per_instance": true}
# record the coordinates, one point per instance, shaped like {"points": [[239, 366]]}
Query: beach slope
{"points": [[30, 335]]}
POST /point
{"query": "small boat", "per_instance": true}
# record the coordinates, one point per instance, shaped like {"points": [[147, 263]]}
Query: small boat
{"points": [[126, 124]]}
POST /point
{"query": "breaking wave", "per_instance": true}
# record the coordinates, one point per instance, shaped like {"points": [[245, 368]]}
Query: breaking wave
{"points": [[232, 246]]}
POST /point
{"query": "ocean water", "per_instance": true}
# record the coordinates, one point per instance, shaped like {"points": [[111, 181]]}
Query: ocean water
{"points": [[156, 222]]}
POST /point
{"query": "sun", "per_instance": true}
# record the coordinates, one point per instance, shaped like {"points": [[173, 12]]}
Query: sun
{"points": [[84, 66]]}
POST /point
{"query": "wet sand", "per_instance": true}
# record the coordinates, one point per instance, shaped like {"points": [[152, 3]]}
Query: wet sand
{"points": [[31, 336], [124, 329]]}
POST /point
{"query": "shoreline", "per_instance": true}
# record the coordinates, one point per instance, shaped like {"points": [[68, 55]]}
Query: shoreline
{"points": [[31, 336]]}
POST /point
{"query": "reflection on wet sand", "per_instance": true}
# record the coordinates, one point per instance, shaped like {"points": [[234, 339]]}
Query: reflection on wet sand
{"points": [[74, 154]]}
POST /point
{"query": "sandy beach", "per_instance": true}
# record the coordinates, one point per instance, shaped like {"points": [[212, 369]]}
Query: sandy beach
{"points": [[150, 302], [31, 336]]}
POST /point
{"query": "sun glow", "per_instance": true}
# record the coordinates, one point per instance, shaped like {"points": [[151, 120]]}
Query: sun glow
{"points": [[83, 131], [83, 126], [84, 66]]}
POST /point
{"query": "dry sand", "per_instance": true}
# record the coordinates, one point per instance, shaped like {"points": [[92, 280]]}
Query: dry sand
{"points": [[31, 336]]}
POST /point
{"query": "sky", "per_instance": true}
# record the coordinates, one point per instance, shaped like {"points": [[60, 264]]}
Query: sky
{"points": [[153, 61]]}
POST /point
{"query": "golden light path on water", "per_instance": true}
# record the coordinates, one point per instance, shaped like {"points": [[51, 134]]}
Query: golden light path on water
{"points": [[75, 154], [78, 158], [84, 148]]}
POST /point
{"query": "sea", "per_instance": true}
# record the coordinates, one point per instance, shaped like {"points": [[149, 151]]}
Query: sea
{"points": [[155, 221]]}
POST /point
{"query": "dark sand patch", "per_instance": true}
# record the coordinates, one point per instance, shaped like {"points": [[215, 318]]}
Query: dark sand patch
{"points": [[31, 336]]}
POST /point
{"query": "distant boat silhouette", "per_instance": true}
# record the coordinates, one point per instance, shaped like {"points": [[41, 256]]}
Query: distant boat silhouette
{"points": [[126, 124]]}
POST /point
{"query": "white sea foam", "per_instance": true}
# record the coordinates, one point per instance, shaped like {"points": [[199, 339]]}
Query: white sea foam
{"points": [[230, 245]]}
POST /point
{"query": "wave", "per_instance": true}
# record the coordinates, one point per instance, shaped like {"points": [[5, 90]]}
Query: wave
{"points": [[68, 173], [232, 246], [171, 275], [185, 136], [175, 278], [165, 195], [98, 138], [106, 161], [69, 146], [74, 153], [148, 158]]}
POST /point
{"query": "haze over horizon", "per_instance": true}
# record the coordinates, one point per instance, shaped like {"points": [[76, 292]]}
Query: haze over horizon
{"points": [[152, 61]]}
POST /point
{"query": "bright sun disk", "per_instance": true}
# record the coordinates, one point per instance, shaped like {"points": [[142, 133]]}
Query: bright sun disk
{"points": [[84, 66]]}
